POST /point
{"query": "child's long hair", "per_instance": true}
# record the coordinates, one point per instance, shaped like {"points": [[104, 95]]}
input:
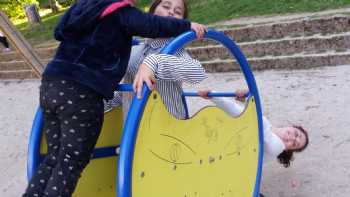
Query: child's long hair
{"points": [[155, 4], [287, 156]]}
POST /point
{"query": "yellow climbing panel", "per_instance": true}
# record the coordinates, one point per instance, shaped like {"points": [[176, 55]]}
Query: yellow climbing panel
{"points": [[211, 154]]}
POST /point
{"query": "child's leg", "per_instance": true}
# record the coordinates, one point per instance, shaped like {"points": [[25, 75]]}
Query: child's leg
{"points": [[4, 41], [81, 116], [74, 155], [79, 137], [38, 182], [51, 128]]}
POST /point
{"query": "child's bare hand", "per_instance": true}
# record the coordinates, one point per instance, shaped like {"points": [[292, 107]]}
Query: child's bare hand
{"points": [[240, 94], [199, 29], [204, 94], [144, 74]]}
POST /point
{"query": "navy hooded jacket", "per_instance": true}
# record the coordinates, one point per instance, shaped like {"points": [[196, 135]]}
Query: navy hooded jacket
{"points": [[95, 51]]}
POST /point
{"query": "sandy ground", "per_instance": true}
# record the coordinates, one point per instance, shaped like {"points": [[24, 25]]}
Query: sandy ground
{"points": [[315, 98]]}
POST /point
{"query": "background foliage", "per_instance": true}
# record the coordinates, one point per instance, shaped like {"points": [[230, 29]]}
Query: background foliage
{"points": [[14, 8], [208, 11], [203, 11]]}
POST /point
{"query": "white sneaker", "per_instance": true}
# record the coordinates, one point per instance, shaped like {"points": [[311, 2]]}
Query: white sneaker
{"points": [[6, 50]]}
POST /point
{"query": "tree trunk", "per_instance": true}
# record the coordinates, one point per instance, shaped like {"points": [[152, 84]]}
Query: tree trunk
{"points": [[32, 14], [53, 6]]}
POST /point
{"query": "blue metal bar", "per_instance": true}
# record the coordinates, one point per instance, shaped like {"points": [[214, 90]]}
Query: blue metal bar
{"points": [[125, 87], [180, 41], [34, 144], [105, 152], [183, 98], [127, 145], [210, 94]]}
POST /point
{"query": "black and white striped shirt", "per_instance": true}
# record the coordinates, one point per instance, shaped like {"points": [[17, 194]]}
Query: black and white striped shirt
{"points": [[170, 72]]}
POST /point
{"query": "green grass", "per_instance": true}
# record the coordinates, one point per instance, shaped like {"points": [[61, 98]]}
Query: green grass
{"points": [[209, 11], [38, 34], [205, 11]]}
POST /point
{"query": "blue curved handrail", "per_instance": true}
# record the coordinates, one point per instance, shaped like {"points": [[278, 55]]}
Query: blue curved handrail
{"points": [[127, 144], [34, 144], [124, 175]]}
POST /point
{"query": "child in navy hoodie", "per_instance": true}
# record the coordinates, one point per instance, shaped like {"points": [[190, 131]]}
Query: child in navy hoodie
{"points": [[96, 37]]}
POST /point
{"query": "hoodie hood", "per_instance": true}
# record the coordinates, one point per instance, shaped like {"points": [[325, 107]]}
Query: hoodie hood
{"points": [[83, 17]]}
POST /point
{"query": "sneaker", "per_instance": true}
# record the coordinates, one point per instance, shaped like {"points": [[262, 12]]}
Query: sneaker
{"points": [[6, 50]]}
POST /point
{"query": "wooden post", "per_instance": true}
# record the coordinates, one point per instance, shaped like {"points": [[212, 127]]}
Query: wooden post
{"points": [[22, 46]]}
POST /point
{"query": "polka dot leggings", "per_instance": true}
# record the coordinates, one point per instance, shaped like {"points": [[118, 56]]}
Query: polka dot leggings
{"points": [[73, 116]]}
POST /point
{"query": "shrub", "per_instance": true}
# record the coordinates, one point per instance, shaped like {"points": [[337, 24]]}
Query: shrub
{"points": [[66, 3], [44, 4], [14, 8]]}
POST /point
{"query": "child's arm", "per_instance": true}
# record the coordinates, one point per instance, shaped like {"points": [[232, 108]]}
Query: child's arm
{"points": [[169, 68], [180, 68], [138, 23], [229, 105]]}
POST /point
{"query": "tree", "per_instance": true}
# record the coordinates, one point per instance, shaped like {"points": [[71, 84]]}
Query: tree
{"points": [[53, 6]]}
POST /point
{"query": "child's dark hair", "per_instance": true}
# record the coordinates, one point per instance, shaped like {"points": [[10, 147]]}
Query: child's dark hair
{"points": [[287, 156], [155, 4]]}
